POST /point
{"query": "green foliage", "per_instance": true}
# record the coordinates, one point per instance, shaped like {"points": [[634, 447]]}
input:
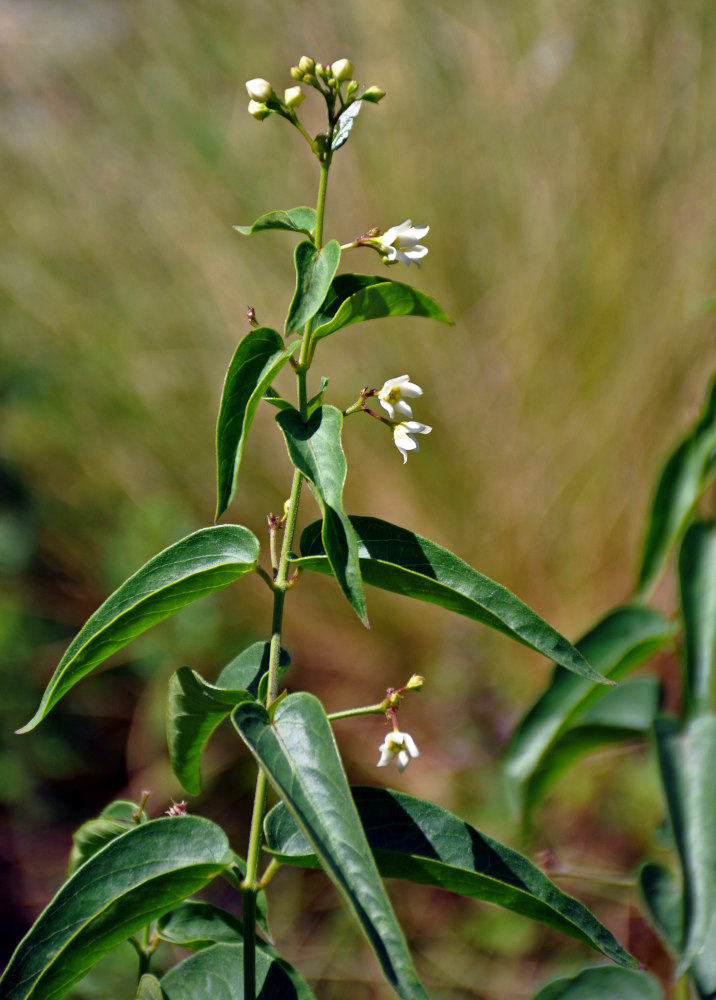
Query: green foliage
{"points": [[315, 270], [345, 124], [403, 562], [114, 820], [134, 879], [421, 842], [296, 220], [604, 982], [298, 753], [206, 561], [215, 973], [315, 449], [149, 988], [198, 925], [697, 559]]}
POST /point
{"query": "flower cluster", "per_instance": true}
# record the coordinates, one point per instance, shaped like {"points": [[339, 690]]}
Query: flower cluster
{"points": [[392, 398]]}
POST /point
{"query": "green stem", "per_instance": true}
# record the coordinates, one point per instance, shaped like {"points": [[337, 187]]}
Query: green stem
{"points": [[249, 898], [349, 713]]}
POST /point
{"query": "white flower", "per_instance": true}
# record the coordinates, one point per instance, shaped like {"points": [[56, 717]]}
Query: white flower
{"points": [[403, 436], [342, 69], [392, 393], [259, 90], [400, 745], [401, 243]]}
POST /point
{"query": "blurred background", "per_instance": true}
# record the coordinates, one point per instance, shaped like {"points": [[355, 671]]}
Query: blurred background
{"points": [[564, 157]]}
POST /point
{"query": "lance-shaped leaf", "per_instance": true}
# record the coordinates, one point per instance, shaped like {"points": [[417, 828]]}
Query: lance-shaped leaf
{"points": [[685, 476], [315, 270], [605, 983], [398, 560], [345, 124], [298, 753], [296, 220], [256, 362], [315, 449], [686, 757], [194, 710], [192, 568], [697, 574], [114, 820], [624, 713], [421, 842], [620, 642], [354, 298], [662, 896], [130, 882], [216, 973]]}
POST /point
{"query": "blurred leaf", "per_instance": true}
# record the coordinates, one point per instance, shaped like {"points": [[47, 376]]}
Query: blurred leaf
{"points": [[298, 753], [354, 298], [114, 820], [149, 988], [315, 270], [683, 479], [198, 925], [216, 973], [194, 710], [697, 575], [398, 560], [249, 667], [686, 755], [623, 713], [421, 842], [345, 124], [315, 449], [603, 983], [133, 880], [256, 362], [620, 642], [297, 220], [199, 564]]}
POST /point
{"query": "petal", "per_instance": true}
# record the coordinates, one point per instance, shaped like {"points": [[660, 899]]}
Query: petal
{"points": [[402, 408], [416, 252], [410, 745], [419, 231], [414, 427], [388, 407], [402, 760], [410, 389]]}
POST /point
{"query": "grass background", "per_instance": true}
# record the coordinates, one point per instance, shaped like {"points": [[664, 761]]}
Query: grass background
{"points": [[563, 155]]}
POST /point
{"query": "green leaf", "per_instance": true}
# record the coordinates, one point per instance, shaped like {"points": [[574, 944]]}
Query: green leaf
{"points": [[296, 220], [298, 753], [149, 988], [216, 973], [316, 451], [249, 667], [354, 298], [315, 401], [114, 820], [192, 568], [315, 270], [686, 757], [685, 476], [272, 397], [256, 362], [618, 644], [198, 925], [130, 882], [605, 983], [624, 713], [345, 123], [697, 574], [398, 560], [194, 710], [421, 842]]}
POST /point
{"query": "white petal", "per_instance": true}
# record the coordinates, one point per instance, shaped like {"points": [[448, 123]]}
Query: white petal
{"points": [[413, 427], [388, 407], [410, 745], [403, 760], [402, 409], [410, 389], [416, 252]]}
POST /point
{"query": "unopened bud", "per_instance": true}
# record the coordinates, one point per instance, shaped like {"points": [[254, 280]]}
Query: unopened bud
{"points": [[373, 95], [320, 70], [351, 88], [342, 69], [258, 110], [332, 82], [306, 64], [297, 72], [259, 90], [293, 97], [415, 683]]}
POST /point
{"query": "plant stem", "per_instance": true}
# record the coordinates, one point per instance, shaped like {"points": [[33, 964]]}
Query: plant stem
{"points": [[250, 883], [349, 713]]}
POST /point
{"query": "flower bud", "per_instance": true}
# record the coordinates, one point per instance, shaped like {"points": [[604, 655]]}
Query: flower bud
{"points": [[333, 83], [259, 90], [342, 69], [297, 72], [373, 94], [351, 88], [306, 64], [258, 110], [320, 70], [415, 682], [293, 97]]}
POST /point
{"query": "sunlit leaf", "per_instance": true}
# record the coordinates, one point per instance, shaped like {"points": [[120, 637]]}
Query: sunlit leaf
{"points": [[603, 983], [256, 362], [192, 568], [216, 973], [421, 842], [298, 753], [315, 270], [697, 575], [398, 560], [133, 880], [315, 449], [296, 220], [345, 124]]}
